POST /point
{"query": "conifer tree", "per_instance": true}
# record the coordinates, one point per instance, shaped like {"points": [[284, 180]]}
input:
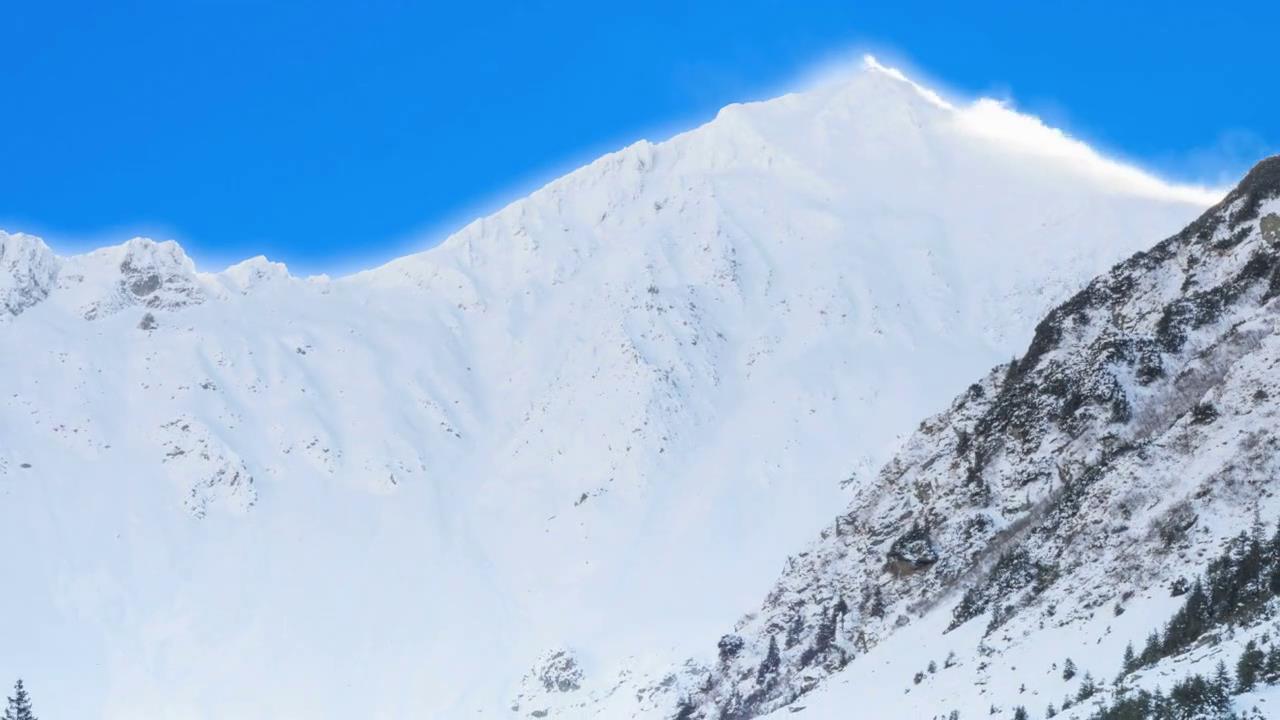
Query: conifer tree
{"points": [[1087, 688], [1250, 666], [1220, 690], [875, 602], [769, 667], [1151, 651], [19, 707], [1130, 659], [1160, 703], [1220, 675], [1271, 669]]}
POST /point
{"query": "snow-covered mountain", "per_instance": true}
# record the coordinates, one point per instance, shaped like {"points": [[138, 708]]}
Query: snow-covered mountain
{"points": [[1066, 506], [556, 451]]}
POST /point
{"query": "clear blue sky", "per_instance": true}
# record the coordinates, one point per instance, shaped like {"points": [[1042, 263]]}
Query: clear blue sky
{"points": [[330, 135]]}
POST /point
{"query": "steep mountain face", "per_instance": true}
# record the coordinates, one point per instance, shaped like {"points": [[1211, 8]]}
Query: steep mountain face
{"points": [[562, 446], [1062, 507]]}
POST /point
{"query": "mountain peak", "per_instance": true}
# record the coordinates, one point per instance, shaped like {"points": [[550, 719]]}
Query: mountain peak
{"points": [[246, 275], [868, 88], [163, 253], [28, 269], [139, 271], [1268, 167], [1262, 183], [871, 65]]}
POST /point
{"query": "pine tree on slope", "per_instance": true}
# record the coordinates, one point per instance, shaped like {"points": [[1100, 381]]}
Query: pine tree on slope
{"points": [[1250, 667]]}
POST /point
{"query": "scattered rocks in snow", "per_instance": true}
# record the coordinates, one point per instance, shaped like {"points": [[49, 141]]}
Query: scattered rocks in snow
{"points": [[212, 473]]}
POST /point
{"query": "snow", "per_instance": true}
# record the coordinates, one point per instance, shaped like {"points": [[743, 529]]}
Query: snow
{"points": [[599, 419]]}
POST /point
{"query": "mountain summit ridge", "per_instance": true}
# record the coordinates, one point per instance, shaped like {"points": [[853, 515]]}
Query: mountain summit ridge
{"points": [[872, 81]]}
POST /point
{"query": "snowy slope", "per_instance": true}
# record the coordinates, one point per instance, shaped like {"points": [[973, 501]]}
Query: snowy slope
{"points": [[598, 420], [1061, 507]]}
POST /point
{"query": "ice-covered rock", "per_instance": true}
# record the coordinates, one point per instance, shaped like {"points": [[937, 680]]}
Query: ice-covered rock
{"points": [[28, 271]]}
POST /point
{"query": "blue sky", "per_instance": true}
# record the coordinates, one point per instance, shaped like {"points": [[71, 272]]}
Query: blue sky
{"points": [[334, 135]]}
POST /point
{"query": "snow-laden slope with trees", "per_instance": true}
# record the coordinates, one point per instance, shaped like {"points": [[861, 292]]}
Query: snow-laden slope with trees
{"points": [[574, 437], [1087, 532]]}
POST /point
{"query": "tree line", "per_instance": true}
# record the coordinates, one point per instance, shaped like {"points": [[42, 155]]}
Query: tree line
{"points": [[1236, 589]]}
